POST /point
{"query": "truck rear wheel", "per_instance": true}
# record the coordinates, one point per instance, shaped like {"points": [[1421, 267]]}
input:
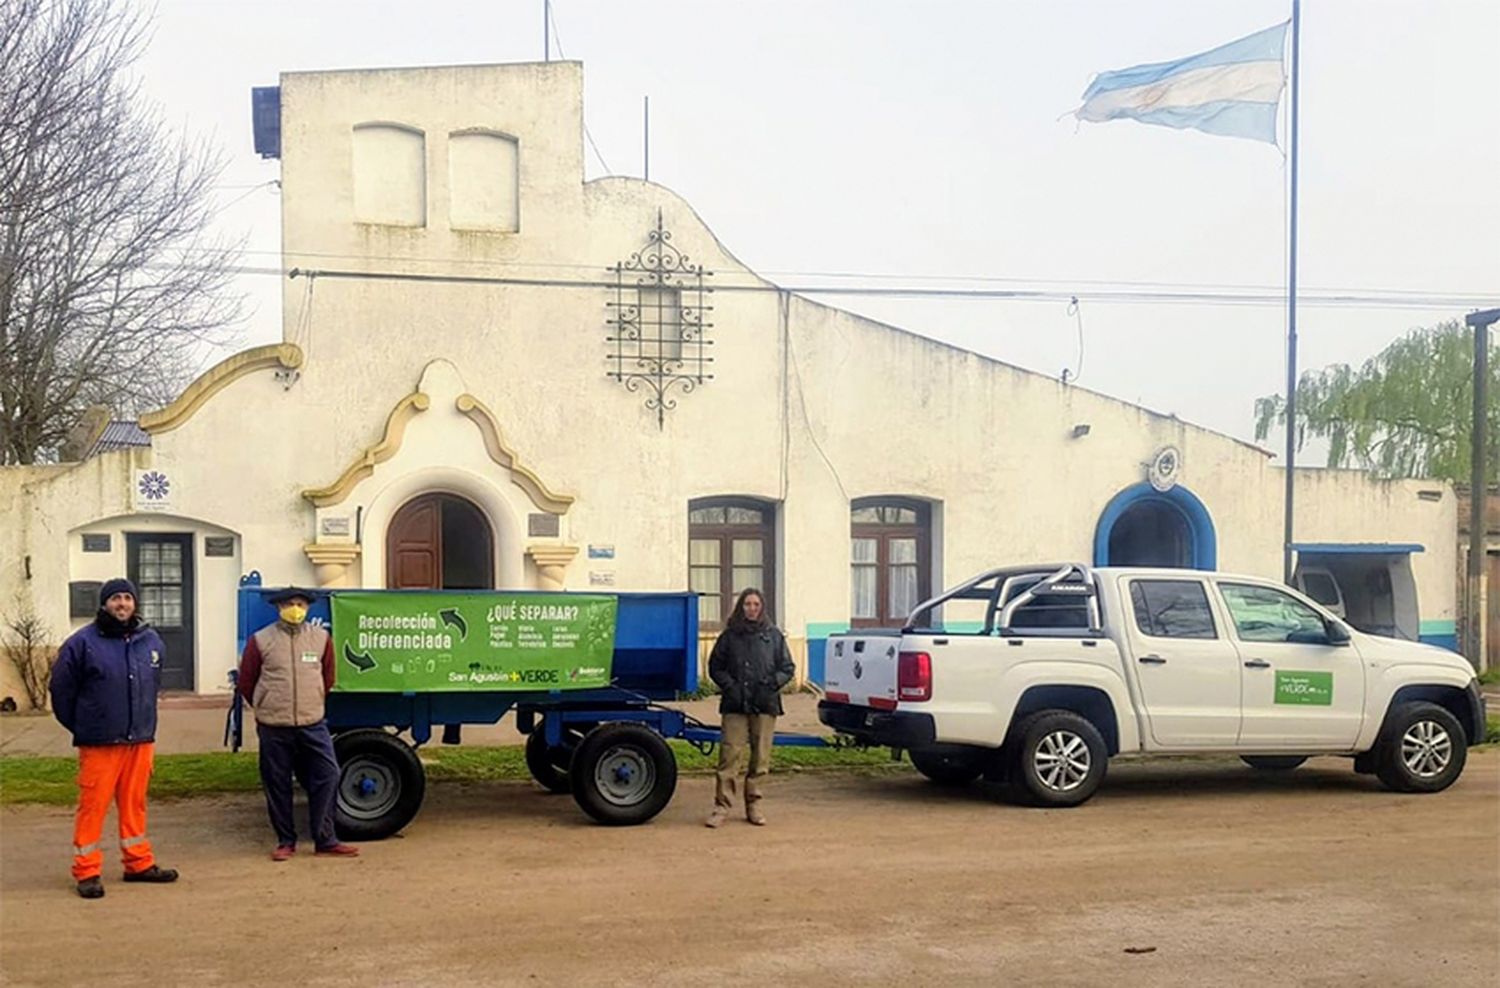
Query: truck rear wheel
{"points": [[381, 784], [623, 774], [1273, 763], [948, 768], [1421, 748], [1058, 759]]}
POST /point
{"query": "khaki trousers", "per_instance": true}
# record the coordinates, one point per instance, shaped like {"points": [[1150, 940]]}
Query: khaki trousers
{"points": [[743, 731]]}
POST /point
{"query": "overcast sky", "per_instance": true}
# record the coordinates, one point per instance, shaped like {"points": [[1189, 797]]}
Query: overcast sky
{"points": [[920, 142]]}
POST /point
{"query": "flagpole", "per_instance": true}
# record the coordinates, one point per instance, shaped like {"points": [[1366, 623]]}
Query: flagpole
{"points": [[1291, 304]]}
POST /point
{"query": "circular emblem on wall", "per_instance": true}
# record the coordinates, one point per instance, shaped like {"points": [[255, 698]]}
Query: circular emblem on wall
{"points": [[154, 486], [1165, 467]]}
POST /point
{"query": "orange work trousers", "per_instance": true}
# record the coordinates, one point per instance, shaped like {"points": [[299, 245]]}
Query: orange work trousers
{"points": [[109, 773]]}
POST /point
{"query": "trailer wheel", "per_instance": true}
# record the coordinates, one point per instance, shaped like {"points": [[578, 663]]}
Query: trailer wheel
{"points": [[548, 765], [623, 774], [381, 784]]}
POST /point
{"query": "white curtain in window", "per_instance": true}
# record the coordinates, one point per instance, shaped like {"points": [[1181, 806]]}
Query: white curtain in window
{"points": [[865, 600], [903, 575]]}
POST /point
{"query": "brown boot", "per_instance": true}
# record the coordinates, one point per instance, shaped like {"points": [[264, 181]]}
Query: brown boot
{"points": [[754, 814], [716, 818]]}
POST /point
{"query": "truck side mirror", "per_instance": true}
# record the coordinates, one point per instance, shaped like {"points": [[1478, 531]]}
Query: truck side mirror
{"points": [[1337, 633]]}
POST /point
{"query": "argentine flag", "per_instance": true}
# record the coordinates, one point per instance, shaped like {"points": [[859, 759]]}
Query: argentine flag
{"points": [[1232, 91]]}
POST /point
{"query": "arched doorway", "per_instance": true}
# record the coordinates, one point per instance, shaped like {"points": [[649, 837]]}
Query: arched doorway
{"points": [[1151, 533], [439, 541], [1142, 526]]}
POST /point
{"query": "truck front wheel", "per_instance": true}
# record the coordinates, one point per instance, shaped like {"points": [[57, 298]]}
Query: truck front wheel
{"points": [[1058, 759], [623, 774], [1422, 748], [381, 784]]}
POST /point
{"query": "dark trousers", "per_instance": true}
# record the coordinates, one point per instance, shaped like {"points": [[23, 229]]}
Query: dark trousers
{"points": [[307, 754]]}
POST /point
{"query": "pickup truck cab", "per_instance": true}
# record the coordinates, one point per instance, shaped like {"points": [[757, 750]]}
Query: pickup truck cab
{"points": [[1071, 666]]}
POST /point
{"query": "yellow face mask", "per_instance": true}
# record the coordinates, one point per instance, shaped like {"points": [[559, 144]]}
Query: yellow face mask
{"points": [[293, 613]]}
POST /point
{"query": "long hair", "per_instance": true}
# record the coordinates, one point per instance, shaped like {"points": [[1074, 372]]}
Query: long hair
{"points": [[737, 619]]}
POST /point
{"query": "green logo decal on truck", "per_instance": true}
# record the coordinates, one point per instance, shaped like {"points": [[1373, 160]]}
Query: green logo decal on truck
{"points": [[1311, 688], [437, 642]]}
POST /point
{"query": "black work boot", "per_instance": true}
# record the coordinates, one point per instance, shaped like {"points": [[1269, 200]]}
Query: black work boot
{"points": [[152, 874], [91, 888]]}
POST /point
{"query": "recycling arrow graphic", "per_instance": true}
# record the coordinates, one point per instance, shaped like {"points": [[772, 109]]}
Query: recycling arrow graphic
{"points": [[361, 662], [455, 619]]}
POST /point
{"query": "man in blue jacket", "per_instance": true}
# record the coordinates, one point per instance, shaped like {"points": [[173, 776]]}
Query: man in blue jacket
{"points": [[104, 689]]}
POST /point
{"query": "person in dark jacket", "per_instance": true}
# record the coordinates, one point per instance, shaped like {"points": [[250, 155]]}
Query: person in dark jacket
{"points": [[285, 674], [750, 664], [104, 688]]}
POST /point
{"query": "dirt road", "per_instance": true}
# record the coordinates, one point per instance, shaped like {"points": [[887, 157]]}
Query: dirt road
{"points": [[1220, 875]]}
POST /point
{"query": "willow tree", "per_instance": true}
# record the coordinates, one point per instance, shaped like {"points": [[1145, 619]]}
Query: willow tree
{"points": [[1406, 412]]}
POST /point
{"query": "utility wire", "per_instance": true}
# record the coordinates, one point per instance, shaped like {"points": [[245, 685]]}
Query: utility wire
{"points": [[1076, 311], [1011, 295], [557, 38], [1122, 297], [1064, 285], [252, 190]]}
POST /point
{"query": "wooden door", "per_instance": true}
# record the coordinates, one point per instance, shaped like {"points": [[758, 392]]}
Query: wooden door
{"points": [[439, 541], [414, 546]]}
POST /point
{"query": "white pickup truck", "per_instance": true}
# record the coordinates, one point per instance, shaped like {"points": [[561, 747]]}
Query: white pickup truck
{"points": [[1070, 666]]}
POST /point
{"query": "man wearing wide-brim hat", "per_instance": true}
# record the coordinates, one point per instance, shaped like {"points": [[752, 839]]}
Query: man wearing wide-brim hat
{"points": [[285, 674]]}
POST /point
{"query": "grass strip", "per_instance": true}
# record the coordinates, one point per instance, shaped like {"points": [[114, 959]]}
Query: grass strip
{"points": [[52, 781]]}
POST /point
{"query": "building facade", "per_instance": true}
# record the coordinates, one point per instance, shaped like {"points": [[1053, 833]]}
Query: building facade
{"points": [[496, 374]]}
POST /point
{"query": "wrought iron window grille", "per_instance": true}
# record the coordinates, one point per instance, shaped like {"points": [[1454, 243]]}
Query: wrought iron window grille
{"points": [[658, 325]]}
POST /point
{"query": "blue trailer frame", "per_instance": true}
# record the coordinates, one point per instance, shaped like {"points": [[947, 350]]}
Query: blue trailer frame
{"points": [[655, 660]]}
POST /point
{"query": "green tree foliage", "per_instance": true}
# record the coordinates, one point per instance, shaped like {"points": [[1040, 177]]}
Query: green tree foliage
{"points": [[1406, 413]]}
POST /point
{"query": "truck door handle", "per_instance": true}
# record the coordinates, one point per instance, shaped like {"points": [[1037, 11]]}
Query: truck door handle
{"points": [[1152, 660], [1257, 664]]}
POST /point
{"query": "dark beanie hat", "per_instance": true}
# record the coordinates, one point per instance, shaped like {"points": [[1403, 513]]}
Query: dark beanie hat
{"points": [[118, 585]]}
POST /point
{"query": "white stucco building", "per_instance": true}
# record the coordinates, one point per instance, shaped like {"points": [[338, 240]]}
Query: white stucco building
{"points": [[466, 396]]}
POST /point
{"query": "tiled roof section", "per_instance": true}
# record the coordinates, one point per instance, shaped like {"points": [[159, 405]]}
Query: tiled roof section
{"points": [[120, 435]]}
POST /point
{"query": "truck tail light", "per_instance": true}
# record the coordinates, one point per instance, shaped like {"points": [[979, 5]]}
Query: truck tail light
{"points": [[914, 676]]}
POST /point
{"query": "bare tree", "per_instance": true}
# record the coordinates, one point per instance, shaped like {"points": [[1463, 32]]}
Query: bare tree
{"points": [[25, 640], [110, 281]]}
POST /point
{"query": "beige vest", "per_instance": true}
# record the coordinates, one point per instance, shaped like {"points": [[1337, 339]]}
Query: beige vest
{"points": [[289, 692]]}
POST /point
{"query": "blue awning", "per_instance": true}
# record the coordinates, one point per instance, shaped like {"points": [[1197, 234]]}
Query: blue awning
{"points": [[1358, 548]]}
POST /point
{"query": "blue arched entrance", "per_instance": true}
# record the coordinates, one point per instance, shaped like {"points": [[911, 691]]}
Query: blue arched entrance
{"points": [[1142, 526]]}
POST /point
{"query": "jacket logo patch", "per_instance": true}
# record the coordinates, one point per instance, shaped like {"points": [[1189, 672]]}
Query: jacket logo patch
{"points": [[311, 657], [155, 659]]}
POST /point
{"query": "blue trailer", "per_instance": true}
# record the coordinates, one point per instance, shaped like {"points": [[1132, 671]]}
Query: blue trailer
{"points": [[605, 746]]}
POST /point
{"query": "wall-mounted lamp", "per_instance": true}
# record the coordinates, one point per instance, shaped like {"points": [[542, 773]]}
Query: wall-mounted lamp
{"points": [[1080, 430]]}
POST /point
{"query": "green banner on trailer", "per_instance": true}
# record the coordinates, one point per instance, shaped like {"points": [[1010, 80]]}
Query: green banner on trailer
{"points": [[446, 642]]}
